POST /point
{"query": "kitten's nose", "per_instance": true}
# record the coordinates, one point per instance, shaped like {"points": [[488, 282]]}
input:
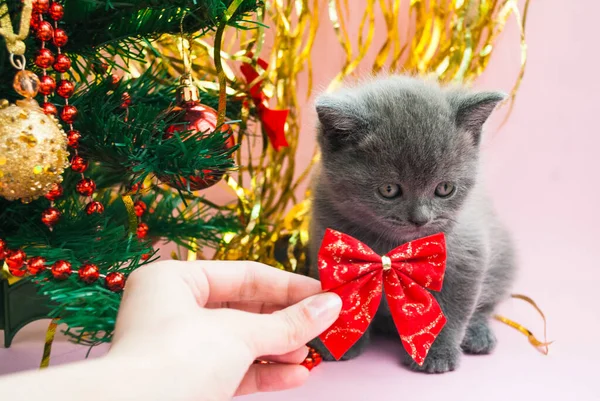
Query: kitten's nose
{"points": [[418, 221]]}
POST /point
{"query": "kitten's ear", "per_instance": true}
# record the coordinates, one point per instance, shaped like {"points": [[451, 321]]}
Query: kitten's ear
{"points": [[340, 124], [473, 110]]}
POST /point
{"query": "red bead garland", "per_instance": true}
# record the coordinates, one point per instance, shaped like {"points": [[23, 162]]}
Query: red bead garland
{"points": [[140, 208], [55, 192], [115, 281], [89, 273], [79, 164], [73, 138], [36, 265], [86, 187], [51, 216], [48, 31], [61, 270], [15, 260], [142, 230], [94, 207], [47, 85], [3, 248]]}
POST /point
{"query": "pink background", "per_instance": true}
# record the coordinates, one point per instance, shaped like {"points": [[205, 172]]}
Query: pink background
{"points": [[542, 168]]}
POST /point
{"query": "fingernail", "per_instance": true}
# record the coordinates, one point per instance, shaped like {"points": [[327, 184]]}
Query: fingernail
{"points": [[324, 306]]}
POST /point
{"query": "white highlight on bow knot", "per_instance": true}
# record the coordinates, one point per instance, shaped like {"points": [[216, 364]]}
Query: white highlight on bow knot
{"points": [[386, 262]]}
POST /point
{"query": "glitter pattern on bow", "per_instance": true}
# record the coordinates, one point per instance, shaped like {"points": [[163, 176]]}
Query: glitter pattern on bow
{"points": [[358, 275]]}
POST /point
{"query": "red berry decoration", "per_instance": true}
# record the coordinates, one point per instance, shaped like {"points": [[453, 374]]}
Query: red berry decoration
{"points": [[36, 265], [94, 207], [50, 216], [47, 85], [3, 249], [61, 270], [15, 260], [62, 63], [89, 273], [56, 11], [142, 230], [115, 281], [60, 37], [79, 164], [65, 88], [73, 138], [49, 108], [44, 58], [140, 208], [44, 31], [125, 100], [68, 114], [55, 192], [41, 6], [86, 187], [146, 256]]}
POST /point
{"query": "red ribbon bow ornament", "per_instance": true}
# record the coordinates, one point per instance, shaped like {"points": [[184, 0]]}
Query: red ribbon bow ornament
{"points": [[273, 121], [357, 274]]}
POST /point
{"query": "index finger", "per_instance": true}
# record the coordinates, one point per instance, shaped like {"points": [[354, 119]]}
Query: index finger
{"points": [[251, 281]]}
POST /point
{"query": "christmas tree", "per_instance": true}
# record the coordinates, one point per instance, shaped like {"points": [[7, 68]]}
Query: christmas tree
{"points": [[154, 103]]}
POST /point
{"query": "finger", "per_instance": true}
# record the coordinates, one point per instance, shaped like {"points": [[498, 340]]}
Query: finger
{"points": [[252, 307], [294, 357], [262, 378], [256, 282], [289, 329]]}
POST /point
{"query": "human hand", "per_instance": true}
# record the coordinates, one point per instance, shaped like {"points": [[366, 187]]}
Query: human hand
{"points": [[191, 330]]}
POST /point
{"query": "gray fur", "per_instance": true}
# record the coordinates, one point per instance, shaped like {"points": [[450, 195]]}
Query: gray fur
{"points": [[415, 134]]}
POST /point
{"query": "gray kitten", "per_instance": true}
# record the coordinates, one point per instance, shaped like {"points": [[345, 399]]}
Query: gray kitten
{"points": [[400, 160]]}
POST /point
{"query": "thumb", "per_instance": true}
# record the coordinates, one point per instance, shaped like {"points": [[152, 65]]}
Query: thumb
{"points": [[291, 328]]}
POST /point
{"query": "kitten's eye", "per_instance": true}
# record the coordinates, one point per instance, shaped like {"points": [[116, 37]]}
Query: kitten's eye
{"points": [[444, 189], [390, 191]]}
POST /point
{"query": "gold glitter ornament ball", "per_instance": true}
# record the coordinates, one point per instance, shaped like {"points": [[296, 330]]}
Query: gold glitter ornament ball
{"points": [[33, 151]]}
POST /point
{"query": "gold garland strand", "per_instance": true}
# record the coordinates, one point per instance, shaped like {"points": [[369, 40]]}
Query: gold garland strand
{"points": [[50, 333]]}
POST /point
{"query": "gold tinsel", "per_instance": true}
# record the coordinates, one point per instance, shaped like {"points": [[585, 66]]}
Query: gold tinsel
{"points": [[451, 39]]}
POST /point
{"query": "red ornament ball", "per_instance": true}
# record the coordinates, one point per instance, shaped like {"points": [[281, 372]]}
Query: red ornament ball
{"points": [[146, 256], [56, 11], [65, 89], [41, 6], [73, 138], [69, 114], [49, 108], [79, 164], [61, 270], [62, 63], [142, 230], [94, 207], [50, 216], [15, 260], [36, 265], [47, 85], [196, 121], [115, 281], [3, 249], [86, 187], [89, 273], [140, 208], [44, 58], [60, 37], [44, 31]]}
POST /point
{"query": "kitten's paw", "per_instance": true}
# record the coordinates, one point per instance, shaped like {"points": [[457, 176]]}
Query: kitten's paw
{"points": [[479, 339], [437, 361], [352, 353]]}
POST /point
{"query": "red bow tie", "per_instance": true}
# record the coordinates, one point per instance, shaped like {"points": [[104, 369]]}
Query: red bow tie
{"points": [[357, 274]]}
